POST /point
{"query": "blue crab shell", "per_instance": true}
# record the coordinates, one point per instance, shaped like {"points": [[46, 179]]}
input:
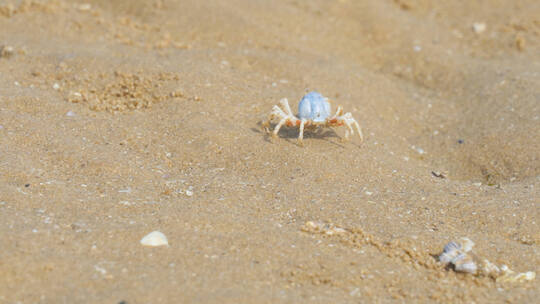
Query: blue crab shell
{"points": [[314, 106]]}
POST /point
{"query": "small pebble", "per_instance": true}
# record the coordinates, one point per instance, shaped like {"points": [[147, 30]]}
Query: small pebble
{"points": [[85, 7], [6, 51], [154, 239], [438, 174], [100, 269], [56, 86], [479, 27], [419, 150], [520, 43], [460, 141], [75, 97], [70, 114], [189, 193]]}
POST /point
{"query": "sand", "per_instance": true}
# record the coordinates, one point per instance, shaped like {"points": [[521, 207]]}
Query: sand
{"points": [[119, 118]]}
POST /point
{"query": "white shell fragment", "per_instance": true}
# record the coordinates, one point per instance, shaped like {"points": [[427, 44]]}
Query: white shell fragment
{"points": [[85, 7], [455, 253], [490, 268], [525, 276], [464, 263], [322, 228], [154, 239], [450, 251], [508, 275], [466, 244], [479, 27]]}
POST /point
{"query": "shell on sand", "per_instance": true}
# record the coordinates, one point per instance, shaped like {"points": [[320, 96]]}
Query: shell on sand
{"points": [[466, 244], [323, 228], [508, 275], [459, 256], [450, 252], [154, 239], [464, 263], [456, 253]]}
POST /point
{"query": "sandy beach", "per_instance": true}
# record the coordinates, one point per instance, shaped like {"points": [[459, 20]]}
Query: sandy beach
{"points": [[119, 118]]}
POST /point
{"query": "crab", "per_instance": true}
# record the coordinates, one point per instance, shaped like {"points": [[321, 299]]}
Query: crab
{"points": [[313, 113]]}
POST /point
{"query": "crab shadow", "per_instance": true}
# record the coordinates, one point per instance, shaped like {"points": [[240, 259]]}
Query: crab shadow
{"points": [[291, 134]]}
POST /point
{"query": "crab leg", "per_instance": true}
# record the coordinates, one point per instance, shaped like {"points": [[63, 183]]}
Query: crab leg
{"points": [[349, 130], [275, 112], [285, 104], [301, 135], [349, 120], [278, 126], [339, 111], [278, 112], [359, 130]]}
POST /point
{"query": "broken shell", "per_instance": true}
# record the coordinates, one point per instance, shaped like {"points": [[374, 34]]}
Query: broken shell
{"points": [[154, 239], [508, 275], [322, 228], [464, 263], [466, 244], [525, 276], [453, 249], [490, 269], [450, 251], [463, 245], [455, 253]]}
